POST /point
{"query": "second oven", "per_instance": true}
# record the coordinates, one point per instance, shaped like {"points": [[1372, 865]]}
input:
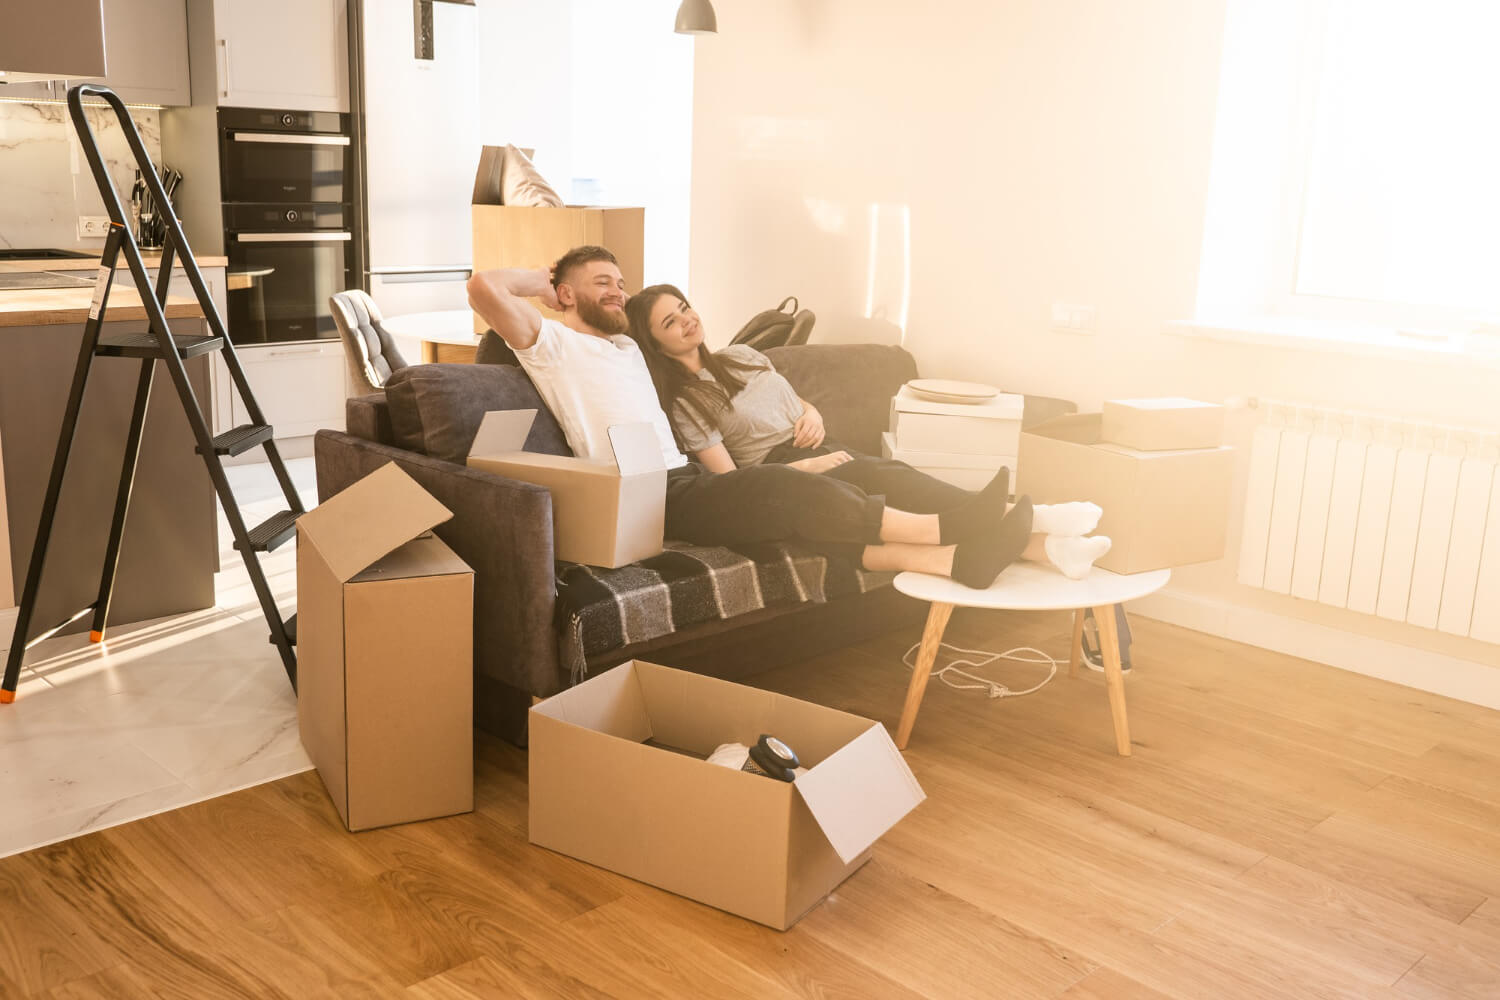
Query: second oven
{"points": [[284, 264]]}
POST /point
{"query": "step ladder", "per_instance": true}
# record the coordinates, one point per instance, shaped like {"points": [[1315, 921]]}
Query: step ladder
{"points": [[157, 343]]}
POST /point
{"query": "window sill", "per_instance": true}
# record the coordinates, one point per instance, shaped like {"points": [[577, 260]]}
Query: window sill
{"points": [[1341, 338]]}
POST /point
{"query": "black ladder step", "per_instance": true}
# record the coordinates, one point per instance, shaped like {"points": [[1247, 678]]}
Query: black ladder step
{"points": [[273, 531], [144, 345], [238, 440], [290, 628]]}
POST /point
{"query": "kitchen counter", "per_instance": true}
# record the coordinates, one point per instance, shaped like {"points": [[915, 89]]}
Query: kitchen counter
{"points": [[151, 258], [54, 306]]}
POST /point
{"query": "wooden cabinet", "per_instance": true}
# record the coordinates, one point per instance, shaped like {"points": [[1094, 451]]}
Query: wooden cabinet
{"points": [[300, 387], [282, 54]]}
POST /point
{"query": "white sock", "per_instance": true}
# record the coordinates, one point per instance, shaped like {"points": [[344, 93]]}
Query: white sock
{"points": [[1074, 519], [1075, 556]]}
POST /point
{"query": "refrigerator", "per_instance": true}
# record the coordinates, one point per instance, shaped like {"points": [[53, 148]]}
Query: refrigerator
{"points": [[421, 146]]}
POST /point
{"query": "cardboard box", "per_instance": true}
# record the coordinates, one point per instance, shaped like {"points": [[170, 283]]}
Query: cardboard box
{"points": [[1161, 508], [967, 472], [603, 514], [385, 654], [1168, 424], [992, 427], [764, 849]]}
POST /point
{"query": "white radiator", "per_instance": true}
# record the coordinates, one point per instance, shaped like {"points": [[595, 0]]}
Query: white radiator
{"points": [[1386, 517]]}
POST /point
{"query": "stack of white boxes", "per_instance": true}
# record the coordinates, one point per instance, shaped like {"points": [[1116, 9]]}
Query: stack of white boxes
{"points": [[960, 443]]}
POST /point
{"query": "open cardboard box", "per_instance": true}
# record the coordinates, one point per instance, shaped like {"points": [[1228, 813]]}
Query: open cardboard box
{"points": [[603, 514], [764, 849], [990, 427], [1163, 424], [385, 654], [1161, 508]]}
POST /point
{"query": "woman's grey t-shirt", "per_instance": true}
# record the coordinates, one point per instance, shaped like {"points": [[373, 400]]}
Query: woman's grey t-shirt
{"points": [[762, 416]]}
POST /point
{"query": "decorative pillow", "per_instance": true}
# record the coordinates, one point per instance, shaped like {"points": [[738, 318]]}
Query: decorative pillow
{"points": [[521, 184], [439, 408]]}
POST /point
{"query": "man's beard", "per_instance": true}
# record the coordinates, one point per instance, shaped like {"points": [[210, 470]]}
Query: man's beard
{"points": [[602, 319]]}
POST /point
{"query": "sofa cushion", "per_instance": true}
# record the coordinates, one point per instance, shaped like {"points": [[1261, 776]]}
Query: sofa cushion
{"points": [[436, 409], [493, 350], [850, 384]]}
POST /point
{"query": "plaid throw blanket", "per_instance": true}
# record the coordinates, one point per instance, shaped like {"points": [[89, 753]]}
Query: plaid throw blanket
{"points": [[604, 609]]}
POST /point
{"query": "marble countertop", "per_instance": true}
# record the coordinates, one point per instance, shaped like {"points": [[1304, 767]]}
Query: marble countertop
{"points": [[91, 263], [55, 306]]}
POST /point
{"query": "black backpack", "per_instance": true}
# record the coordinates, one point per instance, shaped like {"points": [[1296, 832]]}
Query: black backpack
{"points": [[779, 327]]}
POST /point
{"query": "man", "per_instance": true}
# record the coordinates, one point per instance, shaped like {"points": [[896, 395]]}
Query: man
{"points": [[592, 377]]}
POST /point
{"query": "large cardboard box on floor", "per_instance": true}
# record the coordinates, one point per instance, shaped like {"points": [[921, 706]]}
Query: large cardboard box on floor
{"points": [[991, 427], [1166, 424], [765, 849], [1161, 508], [603, 514], [385, 654], [967, 472]]}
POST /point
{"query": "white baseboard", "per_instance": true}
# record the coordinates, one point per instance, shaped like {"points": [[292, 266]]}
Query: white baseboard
{"points": [[1436, 673]]}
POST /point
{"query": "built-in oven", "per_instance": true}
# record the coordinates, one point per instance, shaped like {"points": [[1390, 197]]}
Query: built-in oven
{"points": [[284, 156], [285, 178], [284, 263]]}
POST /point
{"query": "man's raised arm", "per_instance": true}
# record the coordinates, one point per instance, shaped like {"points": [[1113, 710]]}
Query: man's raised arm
{"points": [[499, 297]]}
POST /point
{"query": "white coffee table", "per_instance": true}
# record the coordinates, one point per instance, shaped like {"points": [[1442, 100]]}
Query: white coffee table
{"points": [[445, 335], [1026, 586]]}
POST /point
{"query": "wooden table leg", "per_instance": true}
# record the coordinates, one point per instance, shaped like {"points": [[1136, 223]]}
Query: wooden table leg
{"points": [[932, 637], [429, 352], [1114, 678], [1075, 657]]}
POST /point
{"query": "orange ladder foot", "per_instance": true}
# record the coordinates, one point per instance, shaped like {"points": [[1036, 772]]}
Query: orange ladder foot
{"points": [[95, 636], [6, 697]]}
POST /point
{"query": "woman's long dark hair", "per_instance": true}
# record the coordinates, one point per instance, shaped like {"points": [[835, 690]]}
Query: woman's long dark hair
{"points": [[707, 400]]}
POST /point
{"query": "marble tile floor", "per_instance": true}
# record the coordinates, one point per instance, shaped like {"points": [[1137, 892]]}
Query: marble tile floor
{"points": [[167, 713]]}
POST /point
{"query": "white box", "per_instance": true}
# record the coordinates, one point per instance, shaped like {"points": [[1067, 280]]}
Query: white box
{"points": [[992, 427], [967, 472]]}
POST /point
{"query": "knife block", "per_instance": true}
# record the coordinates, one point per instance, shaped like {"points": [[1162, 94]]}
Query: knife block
{"points": [[528, 236]]}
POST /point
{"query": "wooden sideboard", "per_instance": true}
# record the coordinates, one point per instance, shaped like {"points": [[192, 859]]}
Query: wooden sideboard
{"points": [[524, 236]]}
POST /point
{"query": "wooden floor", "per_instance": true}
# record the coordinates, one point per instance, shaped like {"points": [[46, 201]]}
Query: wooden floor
{"points": [[1283, 830]]}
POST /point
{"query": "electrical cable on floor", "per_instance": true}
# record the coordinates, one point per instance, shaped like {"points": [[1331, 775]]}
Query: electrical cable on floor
{"points": [[995, 688]]}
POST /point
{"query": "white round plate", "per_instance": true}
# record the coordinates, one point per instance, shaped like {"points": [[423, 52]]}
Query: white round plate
{"points": [[947, 390]]}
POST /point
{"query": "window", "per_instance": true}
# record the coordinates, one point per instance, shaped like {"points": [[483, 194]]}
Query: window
{"points": [[1356, 171]]}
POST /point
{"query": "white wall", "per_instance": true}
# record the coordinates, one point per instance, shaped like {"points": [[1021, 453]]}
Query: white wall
{"points": [[45, 182], [1048, 151]]}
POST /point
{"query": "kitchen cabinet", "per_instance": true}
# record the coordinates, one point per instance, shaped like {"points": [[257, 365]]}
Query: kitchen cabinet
{"points": [[300, 387], [291, 54], [146, 51]]}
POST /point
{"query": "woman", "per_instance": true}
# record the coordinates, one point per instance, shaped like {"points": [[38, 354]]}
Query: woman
{"points": [[731, 409]]}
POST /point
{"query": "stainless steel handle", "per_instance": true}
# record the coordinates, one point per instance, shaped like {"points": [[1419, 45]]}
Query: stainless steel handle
{"points": [[292, 237], [288, 138], [224, 47], [409, 275], [292, 352]]}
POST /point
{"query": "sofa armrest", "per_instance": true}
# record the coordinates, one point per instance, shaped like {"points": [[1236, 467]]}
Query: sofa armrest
{"points": [[502, 528]]}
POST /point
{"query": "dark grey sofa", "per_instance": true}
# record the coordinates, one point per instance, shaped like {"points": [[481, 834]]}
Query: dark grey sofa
{"points": [[425, 422]]}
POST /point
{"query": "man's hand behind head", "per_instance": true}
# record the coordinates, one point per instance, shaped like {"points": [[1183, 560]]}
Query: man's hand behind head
{"points": [[499, 297]]}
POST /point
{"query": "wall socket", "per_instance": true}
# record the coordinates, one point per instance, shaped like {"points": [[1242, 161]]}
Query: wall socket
{"points": [[93, 227], [1073, 318]]}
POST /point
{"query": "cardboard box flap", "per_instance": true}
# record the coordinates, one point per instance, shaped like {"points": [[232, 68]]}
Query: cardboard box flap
{"points": [[370, 519], [502, 432], [860, 792], [636, 448]]}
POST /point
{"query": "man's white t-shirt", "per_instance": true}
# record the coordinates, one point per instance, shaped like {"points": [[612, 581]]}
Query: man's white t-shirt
{"points": [[592, 384]]}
